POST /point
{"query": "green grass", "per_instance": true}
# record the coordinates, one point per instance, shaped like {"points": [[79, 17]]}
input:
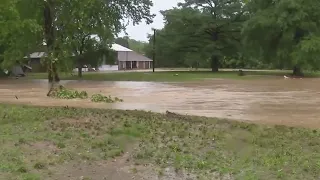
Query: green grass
{"points": [[35, 140], [171, 76]]}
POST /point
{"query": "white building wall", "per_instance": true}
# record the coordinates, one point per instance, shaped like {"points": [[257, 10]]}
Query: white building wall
{"points": [[108, 68]]}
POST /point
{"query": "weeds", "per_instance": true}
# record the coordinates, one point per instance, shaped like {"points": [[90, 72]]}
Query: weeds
{"points": [[39, 165]]}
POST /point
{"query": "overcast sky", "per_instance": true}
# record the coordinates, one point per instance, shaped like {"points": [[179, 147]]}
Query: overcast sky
{"points": [[141, 31]]}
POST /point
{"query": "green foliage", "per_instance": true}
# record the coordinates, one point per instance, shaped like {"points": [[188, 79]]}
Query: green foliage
{"points": [[106, 99], [137, 46], [226, 33], [123, 41], [96, 56], [284, 32], [179, 39], [199, 34], [240, 34], [19, 30], [64, 93], [67, 27]]}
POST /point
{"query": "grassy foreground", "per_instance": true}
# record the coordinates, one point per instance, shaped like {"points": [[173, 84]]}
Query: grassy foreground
{"points": [[41, 143], [171, 76]]}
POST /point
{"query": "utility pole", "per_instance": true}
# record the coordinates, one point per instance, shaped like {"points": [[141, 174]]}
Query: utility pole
{"points": [[154, 49]]}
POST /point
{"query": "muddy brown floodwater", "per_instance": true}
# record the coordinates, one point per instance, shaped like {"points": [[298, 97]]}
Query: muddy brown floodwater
{"points": [[293, 102]]}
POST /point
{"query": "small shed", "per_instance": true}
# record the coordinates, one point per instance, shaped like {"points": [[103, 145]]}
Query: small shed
{"points": [[35, 61]]}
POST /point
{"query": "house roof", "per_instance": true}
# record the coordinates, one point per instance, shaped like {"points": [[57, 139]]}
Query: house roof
{"points": [[132, 56], [117, 47]]}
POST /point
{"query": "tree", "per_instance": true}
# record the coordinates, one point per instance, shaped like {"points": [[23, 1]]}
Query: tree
{"points": [[137, 46], [224, 20], [60, 24], [91, 52], [180, 43], [18, 32], [285, 32], [199, 31], [123, 41]]}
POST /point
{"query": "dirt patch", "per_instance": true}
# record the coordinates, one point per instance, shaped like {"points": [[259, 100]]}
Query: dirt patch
{"points": [[118, 169], [104, 170], [81, 122], [75, 121], [165, 174], [43, 147], [5, 175]]}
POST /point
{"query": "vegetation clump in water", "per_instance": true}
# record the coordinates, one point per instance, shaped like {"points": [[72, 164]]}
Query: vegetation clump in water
{"points": [[106, 99], [64, 93], [61, 92]]}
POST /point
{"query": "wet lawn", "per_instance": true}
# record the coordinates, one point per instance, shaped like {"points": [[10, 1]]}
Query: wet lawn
{"points": [[43, 143], [172, 76]]}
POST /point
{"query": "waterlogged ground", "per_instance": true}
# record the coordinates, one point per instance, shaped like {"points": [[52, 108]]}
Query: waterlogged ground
{"points": [[281, 101]]}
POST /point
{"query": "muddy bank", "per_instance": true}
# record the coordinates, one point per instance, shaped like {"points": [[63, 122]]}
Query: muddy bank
{"points": [[291, 102]]}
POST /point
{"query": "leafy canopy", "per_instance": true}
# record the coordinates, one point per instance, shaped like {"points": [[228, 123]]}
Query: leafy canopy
{"points": [[199, 30], [284, 31]]}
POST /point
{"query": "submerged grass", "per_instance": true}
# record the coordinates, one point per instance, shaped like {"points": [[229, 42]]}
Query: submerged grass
{"points": [[36, 139], [143, 76]]}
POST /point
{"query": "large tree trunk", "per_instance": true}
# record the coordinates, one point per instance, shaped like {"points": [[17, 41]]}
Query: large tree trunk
{"points": [[54, 79], [214, 63], [80, 71], [80, 60], [297, 71], [48, 14], [48, 27], [53, 75]]}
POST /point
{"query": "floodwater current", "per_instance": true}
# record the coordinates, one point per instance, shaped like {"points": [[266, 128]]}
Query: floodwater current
{"points": [[293, 102]]}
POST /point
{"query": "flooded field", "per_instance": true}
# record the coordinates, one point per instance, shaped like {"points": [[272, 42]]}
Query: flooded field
{"points": [[293, 102]]}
